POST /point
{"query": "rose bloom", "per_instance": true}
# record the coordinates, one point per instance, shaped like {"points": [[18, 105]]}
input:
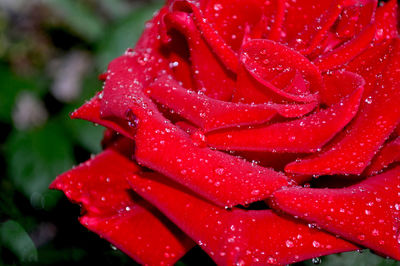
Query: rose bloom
{"points": [[266, 132]]}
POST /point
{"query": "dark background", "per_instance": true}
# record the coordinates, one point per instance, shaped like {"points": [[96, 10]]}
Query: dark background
{"points": [[51, 52]]}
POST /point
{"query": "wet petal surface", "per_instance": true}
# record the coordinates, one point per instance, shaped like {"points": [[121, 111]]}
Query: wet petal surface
{"points": [[113, 212], [366, 213], [237, 236]]}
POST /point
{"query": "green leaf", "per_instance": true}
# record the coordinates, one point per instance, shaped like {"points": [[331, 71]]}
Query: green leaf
{"points": [[79, 17], [115, 8], [35, 158], [123, 34], [86, 134], [8, 207], [364, 258], [50, 255], [10, 86], [16, 239]]}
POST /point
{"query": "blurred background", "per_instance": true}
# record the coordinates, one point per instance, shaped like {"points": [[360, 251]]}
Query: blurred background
{"points": [[51, 53]]}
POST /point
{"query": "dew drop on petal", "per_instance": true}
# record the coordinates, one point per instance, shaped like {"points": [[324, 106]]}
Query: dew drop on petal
{"points": [[368, 100], [289, 244], [316, 244], [219, 171]]}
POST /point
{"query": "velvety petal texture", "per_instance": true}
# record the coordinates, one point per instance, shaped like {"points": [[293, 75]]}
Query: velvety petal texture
{"points": [[237, 236], [378, 116], [266, 132], [116, 214], [366, 213]]}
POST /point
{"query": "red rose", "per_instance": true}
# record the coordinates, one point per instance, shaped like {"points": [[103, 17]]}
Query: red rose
{"points": [[223, 103]]}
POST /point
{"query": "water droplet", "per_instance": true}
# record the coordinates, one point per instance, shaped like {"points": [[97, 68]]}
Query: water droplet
{"points": [[316, 260], [219, 171], [312, 225], [289, 244], [240, 263], [217, 7], [368, 100], [173, 64], [316, 244], [199, 139]]}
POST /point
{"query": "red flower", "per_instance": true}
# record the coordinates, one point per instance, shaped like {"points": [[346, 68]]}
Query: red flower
{"points": [[223, 103]]}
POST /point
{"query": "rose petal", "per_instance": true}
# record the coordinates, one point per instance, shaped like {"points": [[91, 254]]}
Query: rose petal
{"points": [[209, 73], [123, 97], [307, 134], [269, 25], [211, 114], [390, 153], [228, 18], [347, 51], [291, 82], [223, 179], [263, 60], [90, 111], [371, 64], [346, 26], [303, 14], [237, 237], [354, 18], [386, 21], [274, 12], [379, 114], [338, 84], [123, 145], [366, 213], [224, 52], [111, 211], [156, 139], [297, 86], [178, 55], [310, 37], [109, 137]]}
